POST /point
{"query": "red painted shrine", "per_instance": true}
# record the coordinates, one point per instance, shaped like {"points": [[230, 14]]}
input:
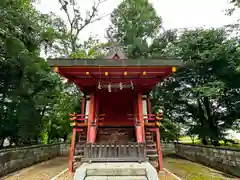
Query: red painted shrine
{"points": [[116, 122]]}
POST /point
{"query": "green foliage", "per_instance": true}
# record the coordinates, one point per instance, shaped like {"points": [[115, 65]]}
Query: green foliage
{"points": [[132, 24], [91, 51], [170, 131], [204, 94], [28, 88]]}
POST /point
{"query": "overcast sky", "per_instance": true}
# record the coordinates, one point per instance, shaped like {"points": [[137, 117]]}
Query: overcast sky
{"points": [[175, 13]]}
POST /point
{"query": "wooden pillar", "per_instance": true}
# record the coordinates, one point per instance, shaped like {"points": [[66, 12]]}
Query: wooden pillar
{"points": [[91, 136], [149, 105], [97, 105], [159, 150], [141, 132], [72, 151], [83, 106]]}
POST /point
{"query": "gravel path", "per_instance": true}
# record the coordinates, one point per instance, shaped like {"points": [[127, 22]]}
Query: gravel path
{"points": [[42, 171]]}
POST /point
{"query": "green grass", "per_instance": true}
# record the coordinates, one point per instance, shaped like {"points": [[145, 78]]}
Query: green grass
{"points": [[188, 170], [187, 140]]}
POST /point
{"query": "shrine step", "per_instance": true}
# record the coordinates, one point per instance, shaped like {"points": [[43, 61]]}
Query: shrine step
{"points": [[77, 158], [151, 151], [149, 145], [116, 178], [152, 156], [154, 163], [117, 171]]}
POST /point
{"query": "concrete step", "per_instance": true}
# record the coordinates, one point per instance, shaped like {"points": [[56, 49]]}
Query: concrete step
{"points": [[152, 156], [116, 178], [118, 171], [77, 157], [154, 163]]}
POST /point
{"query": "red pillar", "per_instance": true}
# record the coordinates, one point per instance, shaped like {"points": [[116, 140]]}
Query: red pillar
{"points": [[91, 136], [72, 151], [141, 132], [159, 150], [137, 126]]}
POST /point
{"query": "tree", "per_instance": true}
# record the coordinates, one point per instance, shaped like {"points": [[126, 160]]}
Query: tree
{"points": [[63, 37], [132, 24], [27, 85], [200, 95]]}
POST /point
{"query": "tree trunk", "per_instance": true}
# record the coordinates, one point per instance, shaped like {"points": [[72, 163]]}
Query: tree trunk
{"points": [[204, 141], [1, 142], [192, 138], [64, 137], [203, 136], [214, 134]]}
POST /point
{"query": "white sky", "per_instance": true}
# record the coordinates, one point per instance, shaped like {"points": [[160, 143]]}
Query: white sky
{"points": [[175, 13]]}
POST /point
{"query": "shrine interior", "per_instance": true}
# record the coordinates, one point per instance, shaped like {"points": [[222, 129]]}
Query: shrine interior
{"points": [[117, 106], [118, 124]]}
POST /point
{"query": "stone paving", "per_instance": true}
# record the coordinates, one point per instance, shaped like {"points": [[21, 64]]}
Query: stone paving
{"points": [[42, 171], [48, 169], [184, 169]]}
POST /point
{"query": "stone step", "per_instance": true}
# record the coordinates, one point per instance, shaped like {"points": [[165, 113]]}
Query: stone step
{"points": [[117, 171], [152, 156], [116, 178], [154, 164], [77, 158]]}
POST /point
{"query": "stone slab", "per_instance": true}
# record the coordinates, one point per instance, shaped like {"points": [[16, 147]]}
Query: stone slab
{"points": [[150, 171], [116, 178]]}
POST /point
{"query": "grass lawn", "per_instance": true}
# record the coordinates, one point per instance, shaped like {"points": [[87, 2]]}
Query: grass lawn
{"points": [[188, 170], [187, 140]]}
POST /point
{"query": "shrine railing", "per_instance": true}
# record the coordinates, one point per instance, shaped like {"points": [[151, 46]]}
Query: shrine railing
{"points": [[114, 152], [78, 120], [152, 120]]}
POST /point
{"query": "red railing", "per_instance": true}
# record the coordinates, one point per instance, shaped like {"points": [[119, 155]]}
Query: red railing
{"points": [[149, 117], [78, 120], [81, 120]]}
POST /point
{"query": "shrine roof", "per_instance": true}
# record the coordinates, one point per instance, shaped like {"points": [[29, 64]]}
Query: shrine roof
{"points": [[64, 62]]}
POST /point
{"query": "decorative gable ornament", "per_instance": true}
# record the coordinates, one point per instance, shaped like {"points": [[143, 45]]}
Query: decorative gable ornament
{"points": [[116, 53]]}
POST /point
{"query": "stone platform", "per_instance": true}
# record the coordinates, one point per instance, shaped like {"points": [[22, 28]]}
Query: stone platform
{"points": [[114, 171]]}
